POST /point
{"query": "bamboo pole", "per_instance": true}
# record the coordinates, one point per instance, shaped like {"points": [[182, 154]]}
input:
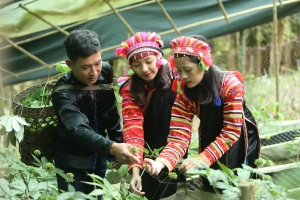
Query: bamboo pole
{"points": [[223, 11], [26, 72], [46, 21], [8, 72], [25, 52], [278, 168], [120, 17], [222, 17], [275, 36], [168, 16]]}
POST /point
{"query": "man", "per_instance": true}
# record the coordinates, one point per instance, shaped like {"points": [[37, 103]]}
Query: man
{"points": [[86, 117]]}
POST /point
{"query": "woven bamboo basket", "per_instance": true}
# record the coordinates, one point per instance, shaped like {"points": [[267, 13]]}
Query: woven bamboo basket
{"points": [[42, 125]]}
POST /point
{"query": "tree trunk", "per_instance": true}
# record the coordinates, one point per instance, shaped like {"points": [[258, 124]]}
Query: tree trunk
{"points": [[232, 52], [242, 52], [258, 53], [287, 56], [251, 64], [271, 66]]}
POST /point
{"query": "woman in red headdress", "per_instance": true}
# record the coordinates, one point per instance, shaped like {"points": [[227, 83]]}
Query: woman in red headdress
{"points": [[147, 111], [227, 131]]}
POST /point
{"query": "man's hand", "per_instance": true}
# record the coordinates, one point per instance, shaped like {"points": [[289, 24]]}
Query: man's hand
{"points": [[122, 153], [153, 167]]}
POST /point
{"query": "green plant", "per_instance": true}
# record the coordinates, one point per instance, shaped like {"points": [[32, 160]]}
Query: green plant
{"points": [[38, 182], [263, 162], [226, 182], [294, 147], [26, 182], [13, 123]]}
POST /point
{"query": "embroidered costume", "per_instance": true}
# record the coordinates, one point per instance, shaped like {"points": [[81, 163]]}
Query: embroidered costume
{"points": [[149, 125], [227, 130]]}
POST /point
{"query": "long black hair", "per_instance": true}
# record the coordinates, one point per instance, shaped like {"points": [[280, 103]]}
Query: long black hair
{"points": [[162, 83], [208, 91]]}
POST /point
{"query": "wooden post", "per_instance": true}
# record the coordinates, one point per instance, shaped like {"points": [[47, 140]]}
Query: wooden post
{"points": [[275, 39], [2, 110], [246, 190], [1, 84]]}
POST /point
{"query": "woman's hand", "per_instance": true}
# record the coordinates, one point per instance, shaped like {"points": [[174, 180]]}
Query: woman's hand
{"points": [[136, 182], [116, 164], [153, 167], [190, 163]]}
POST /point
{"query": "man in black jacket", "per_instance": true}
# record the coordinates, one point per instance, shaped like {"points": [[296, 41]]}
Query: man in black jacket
{"points": [[87, 117]]}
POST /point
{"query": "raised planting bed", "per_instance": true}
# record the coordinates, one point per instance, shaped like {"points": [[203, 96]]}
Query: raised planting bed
{"points": [[283, 148]]}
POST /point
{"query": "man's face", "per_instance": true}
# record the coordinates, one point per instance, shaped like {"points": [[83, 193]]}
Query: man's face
{"points": [[86, 70]]}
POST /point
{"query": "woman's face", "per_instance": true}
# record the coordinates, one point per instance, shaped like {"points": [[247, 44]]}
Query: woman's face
{"points": [[189, 72], [146, 68]]}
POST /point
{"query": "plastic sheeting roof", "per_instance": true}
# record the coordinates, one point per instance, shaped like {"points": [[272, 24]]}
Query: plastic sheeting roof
{"points": [[22, 30]]}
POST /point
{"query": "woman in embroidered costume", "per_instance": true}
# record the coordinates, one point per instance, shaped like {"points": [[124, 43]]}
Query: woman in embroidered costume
{"points": [[226, 125], [227, 130], [146, 109]]}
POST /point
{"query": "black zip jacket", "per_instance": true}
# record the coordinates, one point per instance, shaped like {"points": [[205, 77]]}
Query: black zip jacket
{"points": [[84, 123]]}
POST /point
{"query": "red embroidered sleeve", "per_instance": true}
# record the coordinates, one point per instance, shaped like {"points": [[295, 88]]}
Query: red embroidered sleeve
{"points": [[180, 132], [232, 94], [133, 121]]}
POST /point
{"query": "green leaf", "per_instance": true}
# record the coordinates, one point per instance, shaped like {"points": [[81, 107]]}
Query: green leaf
{"points": [[4, 186], [15, 124], [62, 67], [3, 119], [71, 188], [19, 185], [96, 192], [8, 125], [11, 137], [113, 176], [42, 185], [80, 195], [20, 134], [243, 174], [39, 163], [222, 185], [65, 195], [32, 184], [48, 198], [21, 120]]}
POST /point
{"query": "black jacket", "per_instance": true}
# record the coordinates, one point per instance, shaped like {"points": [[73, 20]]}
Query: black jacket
{"points": [[80, 118]]}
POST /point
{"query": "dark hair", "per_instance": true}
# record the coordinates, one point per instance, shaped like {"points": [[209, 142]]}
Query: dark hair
{"points": [[208, 91], [82, 43], [162, 84]]}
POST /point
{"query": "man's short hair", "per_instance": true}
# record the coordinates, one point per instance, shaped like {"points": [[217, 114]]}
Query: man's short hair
{"points": [[82, 43]]}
